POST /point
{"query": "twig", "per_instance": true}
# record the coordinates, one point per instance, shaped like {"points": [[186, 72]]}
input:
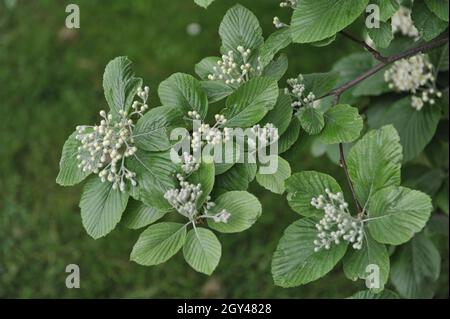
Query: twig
{"points": [[377, 55]]}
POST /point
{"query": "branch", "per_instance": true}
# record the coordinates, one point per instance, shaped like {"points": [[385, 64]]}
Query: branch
{"points": [[388, 60], [377, 55]]}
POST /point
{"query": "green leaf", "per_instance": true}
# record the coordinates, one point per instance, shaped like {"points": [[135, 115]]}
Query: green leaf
{"points": [[367, 294], [381, 36], [398, 213], [277, 41], [439, 8], [138, 215], [237, 177], [155, 176], [216, 90], [296, 263], [202, 250], [120, 85], [206, 67], [343, 124], [324, 42], [251, 102], [439, 58], [315, 20], [205, 177], [275, 182], [152, 131], [280, 116], [428, 24], [158, 243], [387, 8], [277, 68], [416, 128], [303, 186], [416, 267], [290, 136], [69, 172], [240, 27], [101, 207], [311, 119], [374, 162], [372, 253], [185, 92], [203, 3], [243, 207], [320, 83]]}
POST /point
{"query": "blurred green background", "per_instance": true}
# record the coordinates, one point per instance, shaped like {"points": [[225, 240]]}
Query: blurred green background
{"points": [[50, 81]]}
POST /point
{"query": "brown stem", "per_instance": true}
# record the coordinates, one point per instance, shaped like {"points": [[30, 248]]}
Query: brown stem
{"points": [[377, 55]]}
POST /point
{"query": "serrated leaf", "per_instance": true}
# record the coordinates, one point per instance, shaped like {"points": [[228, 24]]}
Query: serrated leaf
{"points": [[158, 243], [439, 8], [251, 102], [367, 294], [356, 262], [216, 90], [439, 58], [416, 128], [152, 131], [154, 175], [374, 162], [315, 20], [311, 119], [240, 27], [280, 116], [120, 85], [381, 36], [275, 182], [296, 263], [277, 68], [303, 186], [320, 83], [237, 177], [397, 213], [343, 124], [202, 250], [416, 267], [289, 137], [69, 172], [244, 209], [277, 41], [138, 215], [206, 67], [185, 92], [204, 3], [428, 24], [101, 207]]}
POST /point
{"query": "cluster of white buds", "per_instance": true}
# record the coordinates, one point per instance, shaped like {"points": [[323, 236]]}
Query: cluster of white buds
{"points": [[414, 75], [263, 136], [299, 95], [289, 4], [105, 147], [402, 23], [234, 71], [139, 107], [212, 135], [185, 201], [189, 164], [337, 224], [278, 23]]}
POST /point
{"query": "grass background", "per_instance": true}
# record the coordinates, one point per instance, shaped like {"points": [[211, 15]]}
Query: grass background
{"points": [[50, 81]]}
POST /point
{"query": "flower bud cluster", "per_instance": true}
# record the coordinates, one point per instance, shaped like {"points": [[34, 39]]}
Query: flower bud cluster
{"points": [[337, 224], [234, 71], [414, 75], [105, 147], [289, 4], [299, 94], [212, 135], [189, 163], [263, 136], [402, 23]]}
